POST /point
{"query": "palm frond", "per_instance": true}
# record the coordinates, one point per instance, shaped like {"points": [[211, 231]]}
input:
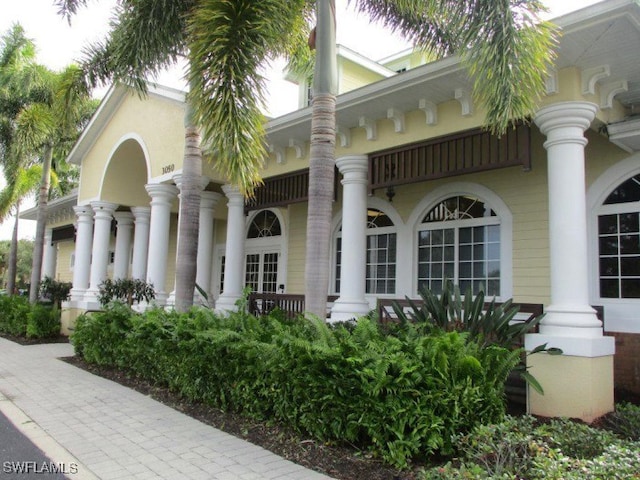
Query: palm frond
{"points": [[229, 43], [505, 46], [146, 36]]}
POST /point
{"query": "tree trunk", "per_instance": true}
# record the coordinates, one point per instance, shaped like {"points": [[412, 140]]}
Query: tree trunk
{"points": [[188, 221], [38, 244], [12, 269], [321, 162]]}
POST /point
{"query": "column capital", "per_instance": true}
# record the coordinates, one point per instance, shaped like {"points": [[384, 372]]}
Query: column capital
{"points": [[353, 163], [236, 198], [103, 209], [177, 179], [565, 122], [209, 200], [123, 218], [161, 192], [83, 212], [141, 213]]}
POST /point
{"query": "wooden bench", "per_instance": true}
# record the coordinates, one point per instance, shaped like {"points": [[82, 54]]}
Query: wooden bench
{"points": [[290, 303]]}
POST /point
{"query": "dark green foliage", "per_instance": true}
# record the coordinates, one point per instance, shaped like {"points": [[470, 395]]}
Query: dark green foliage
{"points": [[491, 324], [14, 311], [401, 397], [100, 336], [20, 319], [43, 322], [54, 291], [625, 421], [127, 290]]}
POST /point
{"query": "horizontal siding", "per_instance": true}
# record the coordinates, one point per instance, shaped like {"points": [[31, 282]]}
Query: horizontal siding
{"points": [[64, 273], [296, 248]]}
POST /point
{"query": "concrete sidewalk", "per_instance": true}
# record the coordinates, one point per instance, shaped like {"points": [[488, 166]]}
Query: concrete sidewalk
{"points": [[93, 428]]}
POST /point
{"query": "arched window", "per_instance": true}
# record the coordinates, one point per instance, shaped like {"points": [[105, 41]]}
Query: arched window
{"points": [[381, 254], [619, 241], [263, 253], [264, 224], [459, 239]]}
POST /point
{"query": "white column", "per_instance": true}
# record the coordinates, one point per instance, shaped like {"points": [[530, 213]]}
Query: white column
{"points": [[49, 255], [234, 251], [124, 231], [569, 313], [162, 197], [352, 302], [102, 217], [177, 178], [141, 217], [208, 202], [82, 255], [578, 383]]}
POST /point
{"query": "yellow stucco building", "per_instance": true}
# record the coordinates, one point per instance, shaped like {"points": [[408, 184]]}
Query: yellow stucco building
{"points": [[547, 214]]}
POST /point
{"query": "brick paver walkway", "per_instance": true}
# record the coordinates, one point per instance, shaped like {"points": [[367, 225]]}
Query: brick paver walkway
{"points": [[112, 432]]}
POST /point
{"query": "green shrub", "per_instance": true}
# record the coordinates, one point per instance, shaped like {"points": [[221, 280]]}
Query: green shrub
{"points": [[100, 337], [507, 447], [492, 324], [574, 439], [126, 290], [517, 448], [14, 311], [398, 397], [54, 291], [625, 421], [619, 461], [43, 322]]}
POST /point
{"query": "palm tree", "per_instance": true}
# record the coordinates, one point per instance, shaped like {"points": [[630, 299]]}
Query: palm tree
{"points": [[45, 128], [19, 86], [503, 44], [20, 185]]}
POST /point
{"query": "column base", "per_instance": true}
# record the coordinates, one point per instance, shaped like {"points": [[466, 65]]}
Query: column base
{"points": [[91, 296], [571, 320], [77, 294], [578, 383], [227, 304], [345, 309]]}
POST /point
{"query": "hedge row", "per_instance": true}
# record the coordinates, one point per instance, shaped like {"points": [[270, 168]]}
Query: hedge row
{"points": [[402, 396], [21, 319]]}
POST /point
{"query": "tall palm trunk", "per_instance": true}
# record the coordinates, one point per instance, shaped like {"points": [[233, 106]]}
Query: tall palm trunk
{"points": [[322, 162], [12, 269], [38, 244], [187, 255]]}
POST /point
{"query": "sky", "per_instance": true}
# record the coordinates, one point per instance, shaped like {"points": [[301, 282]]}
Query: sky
{"points": [[60, 43]]}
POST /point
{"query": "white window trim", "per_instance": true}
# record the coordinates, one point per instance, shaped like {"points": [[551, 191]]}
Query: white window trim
{"points": [[399, 228], [269, 244], [504, 219], [620, 314]]}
